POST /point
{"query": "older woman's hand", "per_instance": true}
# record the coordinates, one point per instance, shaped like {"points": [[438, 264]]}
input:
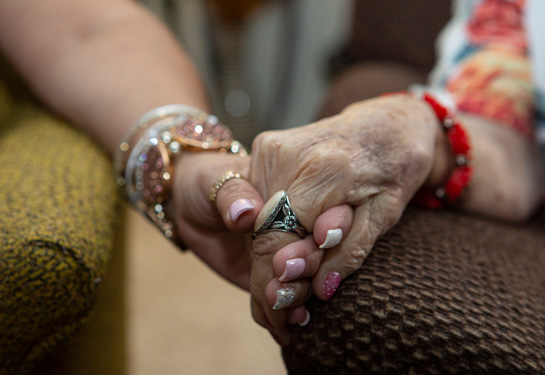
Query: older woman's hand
{"points": [[349, 176]]}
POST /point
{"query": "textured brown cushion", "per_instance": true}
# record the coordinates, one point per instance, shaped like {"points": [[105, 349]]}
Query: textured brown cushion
{"points": [[442, 293]]}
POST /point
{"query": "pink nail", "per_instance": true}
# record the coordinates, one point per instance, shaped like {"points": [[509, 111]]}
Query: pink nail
{"points": [[331, 284], [294, 269], [239, 207], [306, 320]]}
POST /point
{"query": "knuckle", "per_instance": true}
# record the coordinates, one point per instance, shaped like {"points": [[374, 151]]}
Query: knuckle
{"points": [[386, 210], [264, 245], [354, 256], [266, 141], [393, 202], [327, 164]]}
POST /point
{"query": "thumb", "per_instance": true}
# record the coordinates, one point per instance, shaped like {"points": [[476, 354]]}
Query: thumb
{"points": [[237, 201]]}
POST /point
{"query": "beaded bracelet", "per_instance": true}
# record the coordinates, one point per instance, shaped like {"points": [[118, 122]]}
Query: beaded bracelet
{"points": [[459, 179]]}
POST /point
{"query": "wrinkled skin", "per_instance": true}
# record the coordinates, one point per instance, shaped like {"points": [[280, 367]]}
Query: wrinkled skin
{"points": [[370, 159], [356, 172]]}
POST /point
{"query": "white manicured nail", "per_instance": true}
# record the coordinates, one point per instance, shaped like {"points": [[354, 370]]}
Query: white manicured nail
{"points": [[306, 320], [333, 238]]}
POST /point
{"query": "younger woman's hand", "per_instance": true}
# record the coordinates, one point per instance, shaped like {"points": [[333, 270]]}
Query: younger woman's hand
{"points": [[215, 233]]}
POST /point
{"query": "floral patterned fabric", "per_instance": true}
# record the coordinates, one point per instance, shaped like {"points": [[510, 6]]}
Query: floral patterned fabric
{"points": [[486, 65]]}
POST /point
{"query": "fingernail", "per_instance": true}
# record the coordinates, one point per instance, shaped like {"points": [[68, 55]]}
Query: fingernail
{"points": [[333, 238], [294, 269], [269, 206], [331, 283], [239, 207], [306, 320], [284, 297]]}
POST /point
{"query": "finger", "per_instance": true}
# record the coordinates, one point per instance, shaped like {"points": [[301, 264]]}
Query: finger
{"points": [[285, 305], [299, 315], [237, 201], [331, 225], [238, 204], [234, 264], [320, 185], [370, 221], [265, 245], [297, 260], [261, 274], [196, 175], [276, 324], [301, 259], [268, 241]]}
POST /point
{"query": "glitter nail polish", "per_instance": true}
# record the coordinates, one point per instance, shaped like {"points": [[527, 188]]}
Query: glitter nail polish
{"points": [[284, 297], [331, 283]]}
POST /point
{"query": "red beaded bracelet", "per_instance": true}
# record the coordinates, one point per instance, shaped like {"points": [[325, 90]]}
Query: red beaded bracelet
{"points": [[455, 184]]}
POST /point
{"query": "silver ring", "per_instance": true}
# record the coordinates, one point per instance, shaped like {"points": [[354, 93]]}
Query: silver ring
{"points": [[282, 219]]}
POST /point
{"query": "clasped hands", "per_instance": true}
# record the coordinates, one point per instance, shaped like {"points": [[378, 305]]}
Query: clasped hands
{"points": [[348, 178]]}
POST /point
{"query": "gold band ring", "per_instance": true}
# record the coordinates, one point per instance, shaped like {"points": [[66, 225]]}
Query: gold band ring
{"points": [[220, 182]]}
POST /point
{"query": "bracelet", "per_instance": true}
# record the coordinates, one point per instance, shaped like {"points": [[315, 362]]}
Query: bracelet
{"points": [[459, 179], [144, 160]]}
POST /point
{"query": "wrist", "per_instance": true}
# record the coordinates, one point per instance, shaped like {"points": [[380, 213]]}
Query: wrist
{"points": [[431, 128], [461, 171], [443, 159], [145, 160]]}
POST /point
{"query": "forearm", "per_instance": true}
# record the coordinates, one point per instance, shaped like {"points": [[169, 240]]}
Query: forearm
{"points": [[103, 68], [489, 76], [508, 174]]}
